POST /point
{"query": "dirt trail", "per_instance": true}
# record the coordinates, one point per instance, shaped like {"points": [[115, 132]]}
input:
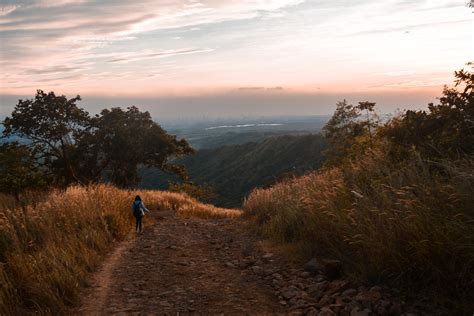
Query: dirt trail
{"points": [[195, 266], [180, 266]]}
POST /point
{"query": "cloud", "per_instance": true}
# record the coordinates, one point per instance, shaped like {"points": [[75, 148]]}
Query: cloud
{"points": [[137, 56], [410, 27], [38, 36], [262, 89], [258, 45], [53, 70], [251, 88]]}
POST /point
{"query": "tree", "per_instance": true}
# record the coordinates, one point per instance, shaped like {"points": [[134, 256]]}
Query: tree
{"points": [[345, 127], [73, 147], [444, 130], [18, 170], [52, 125], [126, 139]]}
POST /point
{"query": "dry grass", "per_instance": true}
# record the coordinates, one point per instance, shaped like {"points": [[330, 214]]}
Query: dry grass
{"points": [[50, 243], [412, 225]]}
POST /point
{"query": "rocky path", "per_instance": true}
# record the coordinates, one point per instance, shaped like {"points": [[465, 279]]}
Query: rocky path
{"points": [[180, 266], [195, 266]]}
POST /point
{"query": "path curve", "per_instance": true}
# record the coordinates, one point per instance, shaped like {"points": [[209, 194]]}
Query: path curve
{"points": [[180, 266]]}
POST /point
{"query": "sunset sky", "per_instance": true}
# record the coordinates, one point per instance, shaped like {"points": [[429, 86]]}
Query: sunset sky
{"points": [[171, 56]]}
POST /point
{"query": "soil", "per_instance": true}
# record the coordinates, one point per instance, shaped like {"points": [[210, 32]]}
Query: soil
{"points": [[180, 266]]}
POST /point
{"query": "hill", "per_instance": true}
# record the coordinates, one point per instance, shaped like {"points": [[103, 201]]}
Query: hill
{"points": [[215, 133], [233, 171]]}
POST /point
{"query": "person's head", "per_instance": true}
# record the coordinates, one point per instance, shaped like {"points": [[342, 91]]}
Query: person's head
{"points": [[138, 198]]}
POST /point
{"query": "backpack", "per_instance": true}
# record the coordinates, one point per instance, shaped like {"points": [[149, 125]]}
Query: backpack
{"points": [[137, 211]]}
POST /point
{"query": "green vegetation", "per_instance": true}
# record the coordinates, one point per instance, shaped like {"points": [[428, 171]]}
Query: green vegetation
{"points": [[19, 170], [394, 203], [69, 146], [233, 171]]}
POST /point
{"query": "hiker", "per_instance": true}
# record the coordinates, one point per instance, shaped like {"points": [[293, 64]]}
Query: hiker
{"points": [[139, 210]]}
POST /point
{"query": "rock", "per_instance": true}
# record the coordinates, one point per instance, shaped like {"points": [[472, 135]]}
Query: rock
{"points": [[257, 270], [311, 311], [319, 278], [337, 286], [317, 290], [282, 302], [230, 265], [349, 293], [278, 283], [331, 268], [290, 292], [358, 312], [312, 266], [326, 311], [368, 298], [336, 308], [267, 256], [324, 301]]}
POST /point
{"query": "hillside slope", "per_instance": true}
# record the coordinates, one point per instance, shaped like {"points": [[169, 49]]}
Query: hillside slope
{"points": [[234, 171]]}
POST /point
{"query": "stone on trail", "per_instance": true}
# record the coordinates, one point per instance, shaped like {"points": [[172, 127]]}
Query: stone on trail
{"points": [[316, 290], [290, 292], [349, 292], [230, 265], [267, 256], [331, 268], [312, 266], [337, 286]]}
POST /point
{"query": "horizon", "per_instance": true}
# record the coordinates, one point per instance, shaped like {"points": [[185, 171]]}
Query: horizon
{"points": [[233, 58]]}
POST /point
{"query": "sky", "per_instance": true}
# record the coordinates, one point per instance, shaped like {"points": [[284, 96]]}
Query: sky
{"points": [[233, 57]]}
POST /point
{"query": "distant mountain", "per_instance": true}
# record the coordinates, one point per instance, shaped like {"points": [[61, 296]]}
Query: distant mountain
{"points": [[222, 132], [235, 170]]}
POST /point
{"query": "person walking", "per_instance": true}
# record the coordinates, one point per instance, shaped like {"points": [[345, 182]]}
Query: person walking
{"points": [[139, 210]]}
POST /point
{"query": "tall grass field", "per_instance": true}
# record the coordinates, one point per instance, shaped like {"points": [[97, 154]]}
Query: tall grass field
{"points": [[404, 226], [50, 242]]}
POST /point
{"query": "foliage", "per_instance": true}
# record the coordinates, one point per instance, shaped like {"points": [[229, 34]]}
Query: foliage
{"points": [[346, 131], [48, 247], [233, 171], [73, 147], [18, 170], [52, 124], [128, 138], [444, 130]]}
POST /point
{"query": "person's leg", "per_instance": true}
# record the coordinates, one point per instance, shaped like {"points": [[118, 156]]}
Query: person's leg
{"points": [[137, 221], [140, 223]]}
